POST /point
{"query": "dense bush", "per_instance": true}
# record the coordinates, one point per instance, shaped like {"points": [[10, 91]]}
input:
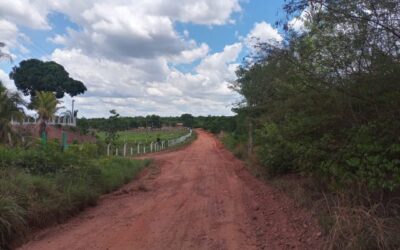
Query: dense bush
{"points": [[45, 185], [327, 100], [325, 103]]}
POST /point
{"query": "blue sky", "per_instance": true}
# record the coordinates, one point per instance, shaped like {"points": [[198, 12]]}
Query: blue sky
{"points": [[141, 57]]}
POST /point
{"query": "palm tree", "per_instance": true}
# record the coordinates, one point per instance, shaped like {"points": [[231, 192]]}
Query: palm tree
{"points": [[45, 103], [10, 109]]}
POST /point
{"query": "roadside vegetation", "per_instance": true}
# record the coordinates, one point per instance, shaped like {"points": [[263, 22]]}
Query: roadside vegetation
{"points": [[320, 117], [43, 182], [42, 186]]}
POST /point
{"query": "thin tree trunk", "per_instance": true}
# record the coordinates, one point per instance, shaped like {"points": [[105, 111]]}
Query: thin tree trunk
{"points": [[10, 139], [250, 142], [42, 127]]}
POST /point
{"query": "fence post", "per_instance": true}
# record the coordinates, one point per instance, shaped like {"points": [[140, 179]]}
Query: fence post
{"points": [[124, 149], [138, 149], [108, 149], [116, 151], [44, 138], [64, 144], [144, 148], [131, 151]]}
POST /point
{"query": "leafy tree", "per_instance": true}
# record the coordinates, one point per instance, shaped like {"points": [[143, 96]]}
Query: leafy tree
{"points": [[34, 75], [83, 125], [325, 100], [187, 120], [111, 127], [45, 103], [153, 121]]}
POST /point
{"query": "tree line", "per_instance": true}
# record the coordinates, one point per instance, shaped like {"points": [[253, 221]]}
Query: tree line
{"points": [[325, 103], [214, 124]]}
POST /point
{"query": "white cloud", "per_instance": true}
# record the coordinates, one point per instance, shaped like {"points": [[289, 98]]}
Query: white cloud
{"points": [[129, 29], [8, 35], [127, 52], [149, 86], [6, 81], [190, 55], [262, 33], [31, 14], [208, 12], [297, 24]]}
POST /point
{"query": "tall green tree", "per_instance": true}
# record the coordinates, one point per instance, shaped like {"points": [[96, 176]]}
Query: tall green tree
{"points": [[153, 121], [326, 99], [111, 128], [33, 75], [187, 120]]}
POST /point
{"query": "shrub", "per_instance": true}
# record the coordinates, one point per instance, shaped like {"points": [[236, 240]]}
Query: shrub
{"points": [[11, 219], [276, 153]]}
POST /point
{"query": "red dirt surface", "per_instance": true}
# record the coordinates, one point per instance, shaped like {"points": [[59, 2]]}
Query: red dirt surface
{"points": [[199, 197]]}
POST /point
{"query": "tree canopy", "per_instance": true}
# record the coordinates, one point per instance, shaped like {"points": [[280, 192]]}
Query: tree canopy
{"points": [[326, 100], [34, 75], [187, 120]]}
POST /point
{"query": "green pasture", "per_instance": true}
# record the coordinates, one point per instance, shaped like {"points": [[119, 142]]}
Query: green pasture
{"points": [[145, 136]]}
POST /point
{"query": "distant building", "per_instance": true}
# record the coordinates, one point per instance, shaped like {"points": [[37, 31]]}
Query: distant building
{"points": [[179, 124]]}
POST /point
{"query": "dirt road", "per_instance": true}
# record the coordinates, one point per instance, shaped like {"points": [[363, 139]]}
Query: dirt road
{"points": [[201, 197]]}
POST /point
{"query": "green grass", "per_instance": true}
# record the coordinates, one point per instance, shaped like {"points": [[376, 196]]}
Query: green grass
{"points": [[32, 198], [145, 136]]}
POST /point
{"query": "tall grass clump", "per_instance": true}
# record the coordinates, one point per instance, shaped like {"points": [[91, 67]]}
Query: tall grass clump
{"points": [[42, 186]]}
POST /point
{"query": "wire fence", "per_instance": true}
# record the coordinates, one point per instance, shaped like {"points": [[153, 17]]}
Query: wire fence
{"points": [[140, 148]]}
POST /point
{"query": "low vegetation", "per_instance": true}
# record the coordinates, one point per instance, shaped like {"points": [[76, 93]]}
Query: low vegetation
{"points": [[44, 185]]}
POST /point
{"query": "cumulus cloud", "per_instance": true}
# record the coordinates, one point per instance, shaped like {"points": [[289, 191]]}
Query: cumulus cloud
{"points": [[190, 55], [31, 14], [151, 86], [208, 12], [262, 33], [128, 29], [297, 24], [127, 52], [12, 38], [6, 81]]}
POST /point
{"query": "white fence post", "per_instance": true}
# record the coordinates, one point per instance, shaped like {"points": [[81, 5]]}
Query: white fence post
{"points": [[124, 149], [108, 149]]}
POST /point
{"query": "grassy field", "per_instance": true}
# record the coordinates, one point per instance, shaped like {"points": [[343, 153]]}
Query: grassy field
{"points": [[145, 136], [41, 186]]}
